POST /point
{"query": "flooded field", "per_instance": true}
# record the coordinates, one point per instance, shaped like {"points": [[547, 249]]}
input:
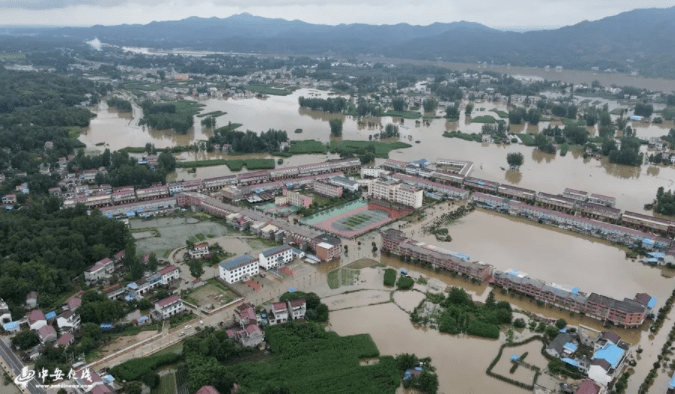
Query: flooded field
{"points": [[632, 186], [521, 373], [173, 233], [460, 362]]}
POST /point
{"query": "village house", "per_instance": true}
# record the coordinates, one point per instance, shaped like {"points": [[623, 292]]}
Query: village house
{"points": [[278, 313], [47, 334], [200, 250], [99, 270], [31, 300], [5, 315], [168, 307], [65, 340], [68, 322], [297, 309]]}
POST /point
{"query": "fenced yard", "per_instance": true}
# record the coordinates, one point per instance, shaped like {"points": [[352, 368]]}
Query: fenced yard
{"points": [[210, 296]]}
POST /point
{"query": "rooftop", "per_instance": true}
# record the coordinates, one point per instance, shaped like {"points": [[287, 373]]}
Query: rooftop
{"points": [[610, 353], [275, 250], [168, 301], [237, 262]]}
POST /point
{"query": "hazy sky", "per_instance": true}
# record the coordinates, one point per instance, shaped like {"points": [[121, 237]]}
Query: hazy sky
{"points": [[494, 13]]}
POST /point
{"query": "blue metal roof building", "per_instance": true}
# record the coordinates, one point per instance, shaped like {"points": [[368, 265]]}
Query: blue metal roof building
{"points": [[238, 262], [569, 361], [50, 315], [610, 353]]}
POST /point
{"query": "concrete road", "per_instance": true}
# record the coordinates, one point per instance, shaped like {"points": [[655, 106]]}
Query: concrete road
{"points": [[167, 338], [16, 366]]}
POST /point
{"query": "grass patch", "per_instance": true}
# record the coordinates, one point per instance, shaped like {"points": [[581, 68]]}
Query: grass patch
{"points": [[405, 283], [269, 90], [229, 127], [200, 237], [308, 146], [167, 385], [389, 277], [484, 119], [380, 149], [573, 122], [298, 131], [527, 139], [404, 114], [260, 243], [342, 277], [465, 136], [215, 114], [259, 164], [137, 367], [501, 114], [233, 165]]}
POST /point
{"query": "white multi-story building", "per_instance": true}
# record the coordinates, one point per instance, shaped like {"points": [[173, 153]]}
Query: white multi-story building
{"points": [[373, 172], [68, 322], [297, 309], [238, 268], [99, 270], [169, 306], [5, 315], [169, 274], [275, 257], [394, 191]]}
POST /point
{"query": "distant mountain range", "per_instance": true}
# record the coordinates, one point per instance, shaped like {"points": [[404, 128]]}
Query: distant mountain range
{"points": [[641, 40]]}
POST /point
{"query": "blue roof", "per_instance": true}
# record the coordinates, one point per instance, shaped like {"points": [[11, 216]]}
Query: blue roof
{"points": [[297, 251], [13, 325], [140, 210], [275, 250], [9, 207], [563, 330], [570, 347], [610, 353], [652, 302], [462, 256], [142, 318], [515, 357], [291, 290], [131, 213], [658, 255], [404, 272], [108, 379], [570, 361], [133, 286], [50, 315], [648, 241], [237, 262], [651, 260], [672, 383], [575, 290], [106, 325]]}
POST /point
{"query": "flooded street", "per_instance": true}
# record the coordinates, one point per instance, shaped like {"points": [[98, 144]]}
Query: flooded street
{"points": [[550, 254]]}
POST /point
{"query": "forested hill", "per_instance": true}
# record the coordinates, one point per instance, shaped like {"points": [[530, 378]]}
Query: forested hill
{"points": [[636, 40]]}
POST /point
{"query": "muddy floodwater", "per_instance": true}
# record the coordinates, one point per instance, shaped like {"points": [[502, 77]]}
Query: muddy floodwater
{"points": [[460, 361], [550, 254], [632, 186]]}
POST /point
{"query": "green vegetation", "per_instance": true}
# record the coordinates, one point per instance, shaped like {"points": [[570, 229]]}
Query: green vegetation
{"points": [[167, 385], [377, 148], [405, 283], [458, 134], [664, 202], [573, 122], [342, 277], [403, 114], [298, 131], [515, 159], [265, 89], [335, 105], [308, 146], [335, 127], [177, 115], [305, 359], [249, 141], [564, 149], [527, 139], [389, 277], [120, 104], [462, 315], [484, 119], [135, 368], [502, 114], [214, 114]]}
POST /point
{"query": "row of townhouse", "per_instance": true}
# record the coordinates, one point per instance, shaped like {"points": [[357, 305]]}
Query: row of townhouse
{"points": [[626, 312], [582, 196], [586, 222], [129, 194], [396, 242], [162, 277], [440, 188]]}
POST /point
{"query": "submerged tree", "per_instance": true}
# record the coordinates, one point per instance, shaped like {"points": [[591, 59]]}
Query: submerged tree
{"points": [[515, 159]]}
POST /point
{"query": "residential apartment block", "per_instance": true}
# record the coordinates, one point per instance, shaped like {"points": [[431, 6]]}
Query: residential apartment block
{"points": [[326, 189], [275, 257], [168, 307], [396, 192]]}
